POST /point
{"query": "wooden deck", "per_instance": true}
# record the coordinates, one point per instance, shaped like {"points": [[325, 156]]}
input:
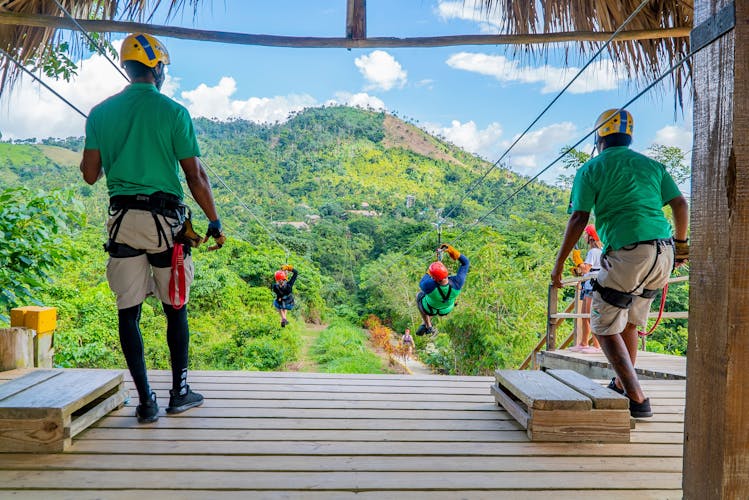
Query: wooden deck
{"points": [[649, 364], [305, 435]]}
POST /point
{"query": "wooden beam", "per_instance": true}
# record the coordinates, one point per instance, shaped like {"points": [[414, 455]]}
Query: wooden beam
{"points": [[11, 18], [716, 441], [356, 19]]}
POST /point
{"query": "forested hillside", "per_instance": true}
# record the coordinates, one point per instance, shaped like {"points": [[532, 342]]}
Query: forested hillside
{"points": [[347, 192]]}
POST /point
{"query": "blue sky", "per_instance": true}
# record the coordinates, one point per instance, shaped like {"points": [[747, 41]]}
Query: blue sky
{"points": [[479, 97]]}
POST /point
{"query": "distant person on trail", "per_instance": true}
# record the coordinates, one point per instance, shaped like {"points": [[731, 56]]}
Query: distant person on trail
{"points": [[589, 267], [283, 288], [438, 290], [408, 343], [627, 190], [138, 139]]}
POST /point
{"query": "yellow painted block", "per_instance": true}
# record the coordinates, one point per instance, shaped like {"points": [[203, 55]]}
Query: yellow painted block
{"points": [[41, 319]]}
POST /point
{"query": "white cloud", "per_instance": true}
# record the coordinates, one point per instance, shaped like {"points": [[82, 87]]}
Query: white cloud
{"points": [[601, 75], [216, 102], [539, 147], [469, 10], [358, 100], [427, 83], [30, 110], [469, 137], [672, 135], [381, 70]]}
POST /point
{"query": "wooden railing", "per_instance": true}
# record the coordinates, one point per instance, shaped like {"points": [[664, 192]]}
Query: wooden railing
{"points": [[572, 311]]}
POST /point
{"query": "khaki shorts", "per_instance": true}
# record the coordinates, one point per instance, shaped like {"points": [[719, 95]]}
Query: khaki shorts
{"points": [[132, 279], [624, 270]]}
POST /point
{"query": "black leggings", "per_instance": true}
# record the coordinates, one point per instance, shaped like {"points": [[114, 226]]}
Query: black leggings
{"points": [[131, 340]]}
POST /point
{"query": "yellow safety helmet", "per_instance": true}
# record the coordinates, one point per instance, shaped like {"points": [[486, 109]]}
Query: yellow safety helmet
{"points": [[144, 49], [614, 121]]}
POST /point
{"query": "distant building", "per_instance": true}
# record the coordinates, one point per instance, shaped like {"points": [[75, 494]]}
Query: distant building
{"points": [[364, 213], [302, 226], [365, 205], [410, 200], [313, 218]]}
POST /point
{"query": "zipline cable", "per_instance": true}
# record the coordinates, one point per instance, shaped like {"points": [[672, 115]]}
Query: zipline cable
{"points": [[673, 68], [23, 68], [91, 40], [483, 177], [548, 106]]}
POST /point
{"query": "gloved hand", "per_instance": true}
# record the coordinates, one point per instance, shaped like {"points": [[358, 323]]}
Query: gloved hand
{"points": [[454, 254], [681, 251], [187, 235], [287, 267], [215, 232]]}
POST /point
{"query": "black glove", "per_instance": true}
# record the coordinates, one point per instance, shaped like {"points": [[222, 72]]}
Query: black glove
{"points": [[214, 231]]}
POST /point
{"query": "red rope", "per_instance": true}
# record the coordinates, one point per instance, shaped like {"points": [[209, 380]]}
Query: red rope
{"points": [[177, 278], [660, 314]]}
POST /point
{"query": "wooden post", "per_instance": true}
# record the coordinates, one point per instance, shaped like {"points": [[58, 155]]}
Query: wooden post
{"points": [[356, 19], [16, 348], [716, 441], [551, 324]]}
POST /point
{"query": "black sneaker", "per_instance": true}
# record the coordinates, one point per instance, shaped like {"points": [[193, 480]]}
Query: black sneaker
{"points": [[613, 387], [640, 410], [431, 331], [178, 404], [149, 411], [421, 330], [283, 323]]}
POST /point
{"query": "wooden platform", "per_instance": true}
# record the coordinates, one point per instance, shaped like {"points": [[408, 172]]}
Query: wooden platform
{"points": [[304, 435], [649, 365], [42, 410]]}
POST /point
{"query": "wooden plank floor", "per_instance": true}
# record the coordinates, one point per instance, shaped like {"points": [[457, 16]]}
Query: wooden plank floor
{"points": [[649, 364], [318, 436]]}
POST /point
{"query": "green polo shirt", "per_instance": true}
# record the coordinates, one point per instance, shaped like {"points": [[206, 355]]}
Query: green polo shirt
{"points": [[141, 135], [627, 192]]}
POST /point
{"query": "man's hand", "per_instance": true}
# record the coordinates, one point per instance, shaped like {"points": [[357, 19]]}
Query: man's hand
{"points": [[556, 276], [681, 251], [215, 232], [454, 254]]}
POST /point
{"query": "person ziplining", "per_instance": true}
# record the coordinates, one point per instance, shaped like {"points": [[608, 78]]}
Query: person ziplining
{"points": [[283, 288], [439, 291]]}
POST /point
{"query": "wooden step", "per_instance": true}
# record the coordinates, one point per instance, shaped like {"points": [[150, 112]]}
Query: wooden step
{"points": [[554, 410], [41, 411]]}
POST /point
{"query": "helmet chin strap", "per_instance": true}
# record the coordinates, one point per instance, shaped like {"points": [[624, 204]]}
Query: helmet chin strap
{"points": [[159, 76]]}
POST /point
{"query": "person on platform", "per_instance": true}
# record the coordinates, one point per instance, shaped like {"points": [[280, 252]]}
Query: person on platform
{"points": [[627, 191], [139, 139], [588, 268]]}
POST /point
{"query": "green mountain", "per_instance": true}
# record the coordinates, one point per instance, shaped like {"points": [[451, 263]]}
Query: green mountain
{"points": [[347, 192]]}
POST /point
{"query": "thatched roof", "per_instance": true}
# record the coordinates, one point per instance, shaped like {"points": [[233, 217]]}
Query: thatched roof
{"points": [[641, 58], [28, 43]]}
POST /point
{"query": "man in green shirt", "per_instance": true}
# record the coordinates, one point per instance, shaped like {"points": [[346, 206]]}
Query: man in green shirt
{"points": [[627, 190], [139, 139]]}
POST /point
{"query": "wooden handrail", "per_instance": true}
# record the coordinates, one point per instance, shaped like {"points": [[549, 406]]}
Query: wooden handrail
{"points": [[553, 318]]}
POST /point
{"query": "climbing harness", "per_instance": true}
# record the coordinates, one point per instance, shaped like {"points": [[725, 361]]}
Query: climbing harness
{"points": [[623, 300], [163, 207]]}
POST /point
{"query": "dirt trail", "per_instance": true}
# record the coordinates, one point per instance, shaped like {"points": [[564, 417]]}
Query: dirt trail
{"points": [[310, 332]]}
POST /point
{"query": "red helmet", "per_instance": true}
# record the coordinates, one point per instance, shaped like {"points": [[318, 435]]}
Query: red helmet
{"points": [[280, 276], [437, 271], [590, 229]]}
